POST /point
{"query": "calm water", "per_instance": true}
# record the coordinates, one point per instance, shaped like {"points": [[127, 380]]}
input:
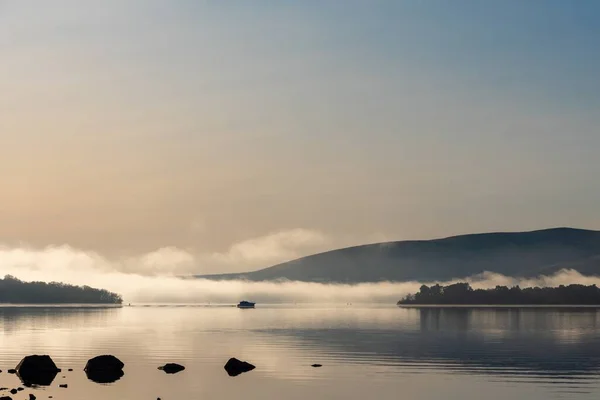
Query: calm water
{"points": [[367, 352]]}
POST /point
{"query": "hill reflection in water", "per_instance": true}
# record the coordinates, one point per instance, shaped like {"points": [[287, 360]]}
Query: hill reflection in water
{"points": [[557, 344]]}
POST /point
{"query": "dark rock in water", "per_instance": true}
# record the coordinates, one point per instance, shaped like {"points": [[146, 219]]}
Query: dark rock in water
{"points": [[37, 370], [316, 365], [70, 369], [104, 363], [104, 369], [12, 371], [234, 367], [172, 368], [32, 396], [20, 389], [6, 398], [13, 391], [64, 385]]}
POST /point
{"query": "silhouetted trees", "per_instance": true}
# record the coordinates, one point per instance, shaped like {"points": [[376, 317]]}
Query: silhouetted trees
{"points": [[12, 290], [463, 293]]}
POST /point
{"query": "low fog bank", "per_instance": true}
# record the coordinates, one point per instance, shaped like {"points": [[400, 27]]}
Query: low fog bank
{"points": [[80, 268]]}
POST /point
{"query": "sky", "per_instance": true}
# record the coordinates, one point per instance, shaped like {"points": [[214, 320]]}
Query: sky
{"points": [[206, 136]]}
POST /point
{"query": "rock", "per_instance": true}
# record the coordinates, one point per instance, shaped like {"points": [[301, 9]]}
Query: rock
{"points": [[6, 398], [32, 396], [234, 367], [12, 371], [20, 389], [104, 363], [70, 369], [37, 370], [316, 365], [104, 369], [64, 385], [13, 391], [172, 368]]}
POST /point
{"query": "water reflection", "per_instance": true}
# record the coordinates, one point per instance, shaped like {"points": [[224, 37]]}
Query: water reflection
{"points": [[104, 377], [19, 318], [431, 352], [556, 345], [44, 379]]}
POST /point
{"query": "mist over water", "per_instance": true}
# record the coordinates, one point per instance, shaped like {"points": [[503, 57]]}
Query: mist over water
{"points": [[63, 264]]}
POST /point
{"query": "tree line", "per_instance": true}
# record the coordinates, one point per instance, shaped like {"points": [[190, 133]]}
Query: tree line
{"points": [[463, 293], [13, 290]]}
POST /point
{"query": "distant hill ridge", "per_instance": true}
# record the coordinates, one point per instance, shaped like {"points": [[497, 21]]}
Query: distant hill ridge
{"points": [[517, 254]]}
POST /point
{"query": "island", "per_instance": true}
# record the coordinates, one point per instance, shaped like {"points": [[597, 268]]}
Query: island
{"points": [[462, 293], [15, 291]]}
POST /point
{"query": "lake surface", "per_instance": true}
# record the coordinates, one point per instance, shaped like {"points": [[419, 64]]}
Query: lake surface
{"points": [[369, 352]]}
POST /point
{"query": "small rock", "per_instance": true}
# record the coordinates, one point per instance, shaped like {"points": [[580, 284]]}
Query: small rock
{"points": [[12, 371], [13, 391], [5, 398], [172, 368], [70, 369], [64, 385], [32, 396], [234, 367], [20, 389], [316, 365]]}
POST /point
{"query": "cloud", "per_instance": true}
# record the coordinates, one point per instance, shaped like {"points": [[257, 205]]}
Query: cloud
{"points": [[270, 249], [170, 261], [164, 261]]}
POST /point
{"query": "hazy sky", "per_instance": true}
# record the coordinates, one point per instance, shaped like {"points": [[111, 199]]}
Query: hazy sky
{"points": [[235, 134]]}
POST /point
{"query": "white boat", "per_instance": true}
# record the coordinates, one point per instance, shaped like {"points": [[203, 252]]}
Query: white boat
{"points": [[245, 304]]}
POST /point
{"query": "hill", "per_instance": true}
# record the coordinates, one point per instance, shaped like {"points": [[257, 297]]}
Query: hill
{"points": [[14, 291], [517, 254]]}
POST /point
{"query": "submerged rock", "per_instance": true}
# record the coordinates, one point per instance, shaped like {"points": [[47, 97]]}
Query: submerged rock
{"points": [[37, 370], [234, 367], [64, 385], [12, 371], [104, 369], [13, 391], [316, 365], [172, 368]]}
